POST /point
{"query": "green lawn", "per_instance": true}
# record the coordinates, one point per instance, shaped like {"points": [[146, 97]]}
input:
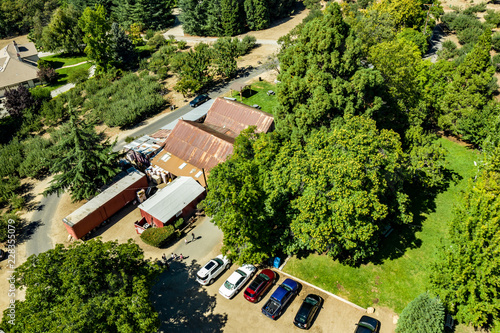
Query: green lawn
{"points": [[257, 94], [403, 270], [63, 75], [60, 60]]}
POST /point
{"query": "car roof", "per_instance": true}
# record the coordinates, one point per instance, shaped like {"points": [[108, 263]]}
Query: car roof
{"points": [[290, 283], [233, 278]]}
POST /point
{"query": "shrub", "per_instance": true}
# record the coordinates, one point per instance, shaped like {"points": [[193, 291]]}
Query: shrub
{"points": [[423, 314], [37, 157], [495, 41], [42, 63], [475, 9], [448, 50], [78, 76], [157, 41], [448, 19], [149, 33], [40, 93], [10, 158], [496, 62], [9, 187], [179, 223], [17, 100], [416, 37], [492, 17], [246, 44], [462, 22], [469, 35], [6, 220], [48, 75], [53, 111], [181, 44], [158, 236]]}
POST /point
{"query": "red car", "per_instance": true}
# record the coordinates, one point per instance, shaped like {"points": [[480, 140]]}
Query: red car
{"points": [[260, 285]]}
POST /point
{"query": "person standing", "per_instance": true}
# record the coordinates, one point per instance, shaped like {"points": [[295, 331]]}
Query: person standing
{"points": [[192, 239]]}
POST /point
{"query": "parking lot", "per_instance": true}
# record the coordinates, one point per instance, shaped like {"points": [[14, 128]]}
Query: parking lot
{"points": [[185, 306]]}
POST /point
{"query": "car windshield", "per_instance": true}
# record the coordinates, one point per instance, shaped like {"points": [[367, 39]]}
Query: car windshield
{"points": [[228, 285], [287, 288], [264, 277], [218, 261], [366, 325], [240, 272], [310, 300]]}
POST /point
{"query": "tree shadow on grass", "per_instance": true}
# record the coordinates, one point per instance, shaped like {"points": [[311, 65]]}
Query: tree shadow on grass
{"points": [[182, 304], [423, 202]]}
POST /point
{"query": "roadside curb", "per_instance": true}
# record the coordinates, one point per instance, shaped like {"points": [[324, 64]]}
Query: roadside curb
{"points": [[326, 292]]}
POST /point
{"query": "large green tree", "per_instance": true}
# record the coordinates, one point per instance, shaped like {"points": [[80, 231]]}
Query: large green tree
{"points": [[95, 27], [193, 68], [343, 186], [63, 32], [231, 17], [257, 14], [122, 50], [87, 287], [322, 77], [424, 314], [83, 162], [467, 273]]}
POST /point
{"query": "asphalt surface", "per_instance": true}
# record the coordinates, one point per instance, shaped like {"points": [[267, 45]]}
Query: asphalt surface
{"points": [[40, 226], [215, 92]]}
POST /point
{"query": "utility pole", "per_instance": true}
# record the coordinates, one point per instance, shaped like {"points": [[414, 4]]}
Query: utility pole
{"points": [[430, 5]]}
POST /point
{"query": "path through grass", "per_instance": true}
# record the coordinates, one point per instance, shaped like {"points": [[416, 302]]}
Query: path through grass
{"points": [[403, 274]]}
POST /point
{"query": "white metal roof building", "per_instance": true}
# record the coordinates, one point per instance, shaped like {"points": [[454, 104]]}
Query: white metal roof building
{"points": [[172, 199], [193, 115]]}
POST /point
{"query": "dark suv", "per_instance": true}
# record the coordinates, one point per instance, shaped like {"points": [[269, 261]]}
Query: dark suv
{"points": [[200, 99]]}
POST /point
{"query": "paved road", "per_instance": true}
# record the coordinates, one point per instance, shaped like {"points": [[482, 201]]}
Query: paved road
{"points": [[153, 127], [39, 241]]}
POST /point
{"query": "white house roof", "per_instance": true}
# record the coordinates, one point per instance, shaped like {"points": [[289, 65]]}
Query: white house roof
{"points": [[171, 199]]}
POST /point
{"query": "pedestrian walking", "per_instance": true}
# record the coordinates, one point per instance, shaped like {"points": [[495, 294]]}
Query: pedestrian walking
{"points": [[192, 236], [164, 257], [173, 256], [181, 256], [185, 240]]}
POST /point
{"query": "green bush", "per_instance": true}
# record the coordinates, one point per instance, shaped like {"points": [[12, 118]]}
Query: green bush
{"points": [[492, 17], [448, 50], [37, 157], [10, 158], [416, 37], [462, 22], [157, 41], [496, 62], [179, 223], [479, 8], [9, 188], [42, 63], [181, 44], [129, 139], [469, 35], [246, 44], [40, 93], [78, 76], [158, 236], [149, 33], [448, 19], [6, 220], [54, 110], [423, 314], [495, 41]]}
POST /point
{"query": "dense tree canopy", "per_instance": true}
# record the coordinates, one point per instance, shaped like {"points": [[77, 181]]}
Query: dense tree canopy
{"points": [[87, 287], [322, 77], [351, 174], [466, 277], [63, 32], [83, 163], [95, 27]]}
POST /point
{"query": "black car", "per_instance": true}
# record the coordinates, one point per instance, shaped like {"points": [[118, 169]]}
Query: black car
{"points": [[367, 325], [308, 309], [200, 99]]}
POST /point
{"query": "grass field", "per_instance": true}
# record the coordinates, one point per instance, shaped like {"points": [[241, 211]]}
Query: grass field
{"points": [[60, 60], [257, 94], [403, 270], [64, 73]]}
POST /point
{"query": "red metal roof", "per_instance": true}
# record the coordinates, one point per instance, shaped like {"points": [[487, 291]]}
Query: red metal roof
{"points": [[198, 144], [232, 117]]}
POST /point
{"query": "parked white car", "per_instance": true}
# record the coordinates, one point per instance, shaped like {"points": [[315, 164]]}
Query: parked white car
{"points": [[212, 269], [236, 281]]}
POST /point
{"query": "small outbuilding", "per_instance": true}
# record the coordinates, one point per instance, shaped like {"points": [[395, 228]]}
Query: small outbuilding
{"points": [[103, 206], [176, 200]]}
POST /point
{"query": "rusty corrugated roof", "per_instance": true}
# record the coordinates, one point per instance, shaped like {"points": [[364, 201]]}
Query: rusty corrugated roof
{"points": [[234, 117], [198, 144]]}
